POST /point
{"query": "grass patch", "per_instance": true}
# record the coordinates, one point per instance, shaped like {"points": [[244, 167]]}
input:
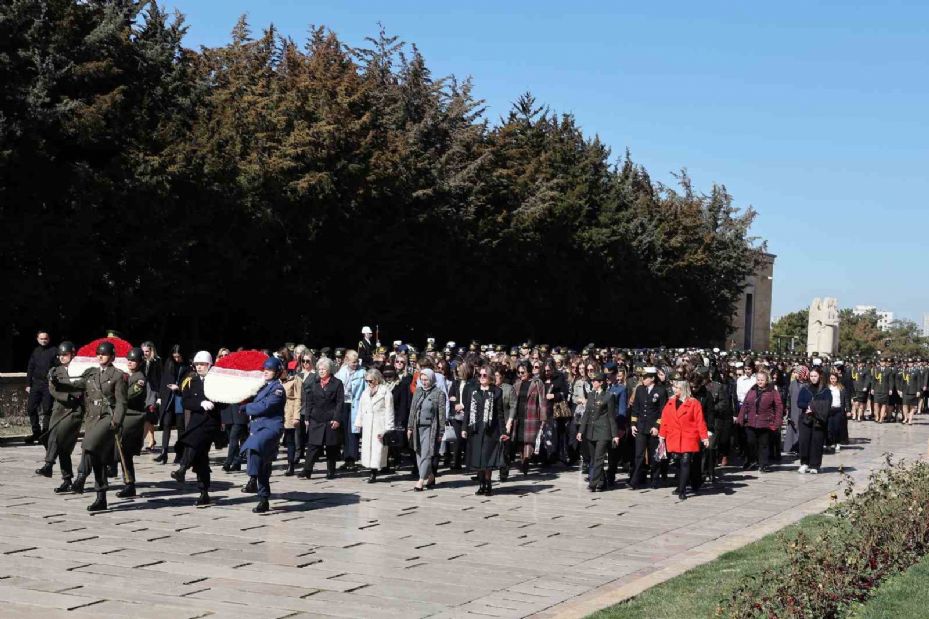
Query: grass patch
{"points": [[902, 596], [697, 592]]}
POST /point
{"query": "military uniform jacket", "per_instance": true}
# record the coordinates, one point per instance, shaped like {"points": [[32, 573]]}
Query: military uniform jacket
{"points": [[647, 407], [105, 396], [67, 411], [133, 429], [203, 425], [882, 380], [861, 379], [266, 412], [599, 420], [909, 382]]}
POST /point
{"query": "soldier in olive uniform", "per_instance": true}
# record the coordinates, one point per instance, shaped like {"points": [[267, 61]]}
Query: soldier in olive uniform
{"points": [[67, 416], [910, 390], [133, 429], [598, 427], [861, 381], [881, 386], [105, 401]]}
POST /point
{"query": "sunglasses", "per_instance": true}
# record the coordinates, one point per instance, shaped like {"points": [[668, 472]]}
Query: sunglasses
{"points": [[537, 367], [484, 375], [307, 361]]}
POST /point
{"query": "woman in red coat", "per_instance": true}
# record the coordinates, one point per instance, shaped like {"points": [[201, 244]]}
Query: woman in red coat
{"points": [[682, 431]]}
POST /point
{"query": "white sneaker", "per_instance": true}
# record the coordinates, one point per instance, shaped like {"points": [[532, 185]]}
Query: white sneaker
{"points": [[812, 471], [803, 469]]}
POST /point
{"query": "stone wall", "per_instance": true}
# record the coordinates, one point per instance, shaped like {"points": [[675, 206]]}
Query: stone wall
{"points": [[13, 397]]}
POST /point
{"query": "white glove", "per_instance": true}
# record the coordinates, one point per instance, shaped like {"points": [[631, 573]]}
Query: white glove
{"points": [[206, 405]]}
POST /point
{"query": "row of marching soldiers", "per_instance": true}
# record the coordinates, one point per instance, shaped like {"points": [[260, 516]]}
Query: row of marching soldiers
{"points": [[111, 405]]}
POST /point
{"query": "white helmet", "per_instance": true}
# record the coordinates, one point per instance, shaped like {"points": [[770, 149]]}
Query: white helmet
{"points": [[366, 331], [203, 357]]}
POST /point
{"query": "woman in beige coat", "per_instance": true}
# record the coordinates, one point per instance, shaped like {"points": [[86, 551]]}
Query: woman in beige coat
{"points": [[293, 392], [375, 416]]}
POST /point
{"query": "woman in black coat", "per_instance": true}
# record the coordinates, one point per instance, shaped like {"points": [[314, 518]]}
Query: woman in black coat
{"points": [[324, 413], [486, 430], [171, 409]]}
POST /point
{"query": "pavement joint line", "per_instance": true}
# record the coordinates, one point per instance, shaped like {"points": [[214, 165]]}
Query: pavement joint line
{"points": [[86, 605]]}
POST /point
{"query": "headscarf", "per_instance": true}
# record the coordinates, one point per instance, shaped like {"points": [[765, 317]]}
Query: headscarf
{"points": [[803, 374], [428, 374]]}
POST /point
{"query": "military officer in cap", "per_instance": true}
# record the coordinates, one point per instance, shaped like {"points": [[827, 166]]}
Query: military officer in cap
{"points": [[133, 428], [201, 429], [861, 385], [648, 403], [881, 387], [105, 389], [598, 428], [366, 347], [67, 416]]}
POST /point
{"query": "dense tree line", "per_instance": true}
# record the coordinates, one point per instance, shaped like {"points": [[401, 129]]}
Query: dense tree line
{"points": [[275, 189]]}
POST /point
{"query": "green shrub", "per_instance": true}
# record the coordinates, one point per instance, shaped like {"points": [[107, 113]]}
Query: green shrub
{"points": [[877, 533]]}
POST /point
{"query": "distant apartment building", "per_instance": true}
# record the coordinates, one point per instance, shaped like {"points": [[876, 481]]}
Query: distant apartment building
{"points": [[884, 318], [925, 325]]}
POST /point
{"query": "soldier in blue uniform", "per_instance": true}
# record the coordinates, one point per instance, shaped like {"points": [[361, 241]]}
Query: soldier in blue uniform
{"points": [[266, 426]]}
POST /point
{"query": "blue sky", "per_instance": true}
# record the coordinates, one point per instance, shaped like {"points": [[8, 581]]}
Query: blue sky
{"points": [[814, 113]]}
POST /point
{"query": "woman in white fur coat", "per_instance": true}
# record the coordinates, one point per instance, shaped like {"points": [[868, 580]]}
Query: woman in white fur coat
{"points": [[375, 416]]}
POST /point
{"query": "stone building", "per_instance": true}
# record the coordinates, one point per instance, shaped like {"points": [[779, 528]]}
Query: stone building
{"points": [[751, 323]]}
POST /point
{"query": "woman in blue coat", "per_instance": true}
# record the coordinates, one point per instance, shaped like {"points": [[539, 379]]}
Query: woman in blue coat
{"points": [[266, 426]]}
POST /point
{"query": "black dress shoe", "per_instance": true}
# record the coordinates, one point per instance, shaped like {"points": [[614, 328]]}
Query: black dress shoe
{"points": [[251, 487], [480, 489], [203, 500], [289, 472], [596, 489], [765, 469], [303, 474], [330, 475], [127, 492], [162, 459], [64, 487], [77, 486], [682, 496], [227, 467], [371, 479], [99, 504], [488, 490], [178, 475], [45, 471], [262, 507]]}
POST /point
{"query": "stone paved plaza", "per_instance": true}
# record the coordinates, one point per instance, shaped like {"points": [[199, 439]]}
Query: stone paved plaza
{"points": [[541, 546]]}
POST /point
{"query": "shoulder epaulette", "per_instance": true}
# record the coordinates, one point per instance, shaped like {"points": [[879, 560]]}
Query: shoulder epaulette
{"points": [[186, 382]]}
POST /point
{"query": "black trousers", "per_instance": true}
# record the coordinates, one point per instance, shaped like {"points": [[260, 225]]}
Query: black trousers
{"points": [[199, 461], [565, 445], [39, 408], [237, 433], [812, 441], [688, 471], [645, 446], [312, 451], [758, 443], [598, 450]]}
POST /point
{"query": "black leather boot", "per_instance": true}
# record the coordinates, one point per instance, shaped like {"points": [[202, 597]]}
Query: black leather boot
{"points": [[178, 475], [262, 507], [480, 489], [64, 488], [488, 488], [45, 471], [204, 499], [77, 486], [251, 487], [162, 459], [128, 491], [290, 470], [99, 504]]}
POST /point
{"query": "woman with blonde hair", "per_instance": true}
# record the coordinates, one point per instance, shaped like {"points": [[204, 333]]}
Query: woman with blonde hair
{"points": [[375, 417], [681, 432]]}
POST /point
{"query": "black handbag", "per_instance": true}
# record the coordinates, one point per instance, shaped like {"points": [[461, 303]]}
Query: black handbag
{"points": [[392, 438]]}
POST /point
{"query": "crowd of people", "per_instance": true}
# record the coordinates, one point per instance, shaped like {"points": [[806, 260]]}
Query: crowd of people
{"points": [[480, 409]]}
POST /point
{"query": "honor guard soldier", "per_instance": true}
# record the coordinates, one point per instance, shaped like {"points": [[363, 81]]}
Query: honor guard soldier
{"points": [[67, 416], [881, 387], [105, 389], [133, 429], [266, 426], [366, 347], [201, 429], [645, 419]]}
